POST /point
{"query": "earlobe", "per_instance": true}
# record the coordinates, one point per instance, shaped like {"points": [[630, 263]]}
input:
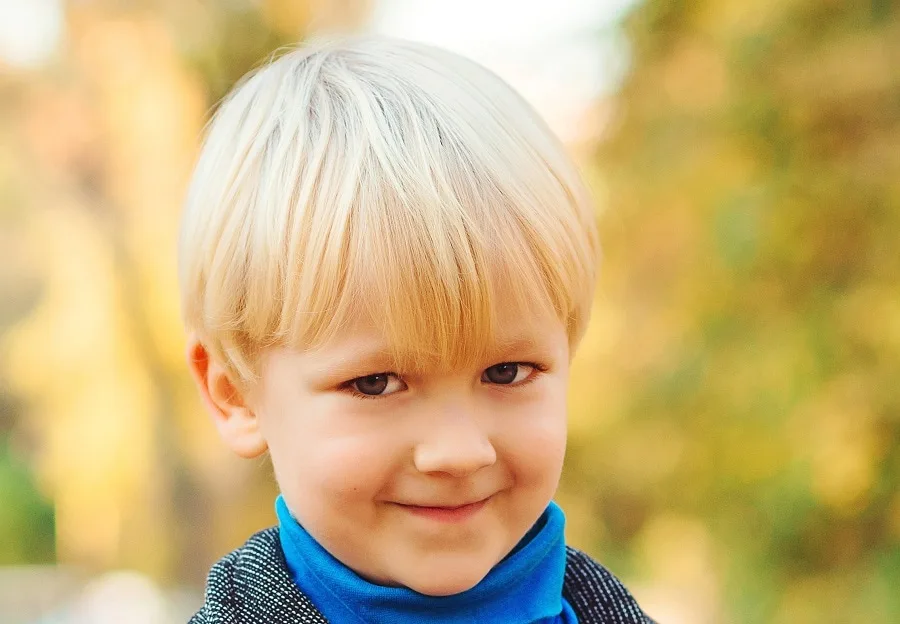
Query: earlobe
{"points": [[236, 421]]}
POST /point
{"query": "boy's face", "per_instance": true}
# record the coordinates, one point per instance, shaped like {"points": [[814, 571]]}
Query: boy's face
{"points": [[419, 479]]}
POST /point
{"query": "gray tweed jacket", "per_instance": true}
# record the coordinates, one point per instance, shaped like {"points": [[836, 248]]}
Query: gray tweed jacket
{"points": [[252, 585]]}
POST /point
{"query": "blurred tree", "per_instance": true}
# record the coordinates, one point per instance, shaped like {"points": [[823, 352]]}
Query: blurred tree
{"points": [[101, 144], [744, 452], [25, 516], [747, 344]]}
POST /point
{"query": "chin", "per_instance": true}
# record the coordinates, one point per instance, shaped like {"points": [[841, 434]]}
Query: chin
{"points": [[440, 583]]}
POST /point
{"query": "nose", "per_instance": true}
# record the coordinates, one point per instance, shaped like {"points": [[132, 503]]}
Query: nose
{"points": [[455, 446]]}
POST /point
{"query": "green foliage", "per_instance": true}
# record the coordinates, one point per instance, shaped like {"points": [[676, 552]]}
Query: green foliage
{"points": [[26, 519]]}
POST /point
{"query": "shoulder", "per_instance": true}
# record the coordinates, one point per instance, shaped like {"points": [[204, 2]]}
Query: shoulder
{"points": [[596, 595], [253, 585]]}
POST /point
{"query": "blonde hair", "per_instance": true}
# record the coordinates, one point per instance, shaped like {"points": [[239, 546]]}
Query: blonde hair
{"points": [[381, 177]]}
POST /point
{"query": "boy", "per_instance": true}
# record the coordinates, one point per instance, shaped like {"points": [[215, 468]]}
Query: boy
{"points": [[387, 262]]}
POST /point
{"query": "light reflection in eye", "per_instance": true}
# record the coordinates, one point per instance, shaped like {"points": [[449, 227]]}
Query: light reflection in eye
{"points": [[379, 384], [508, 373]]}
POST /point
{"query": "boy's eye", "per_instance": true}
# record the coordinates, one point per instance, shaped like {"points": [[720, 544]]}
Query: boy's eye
{"points": [[507, 373], [380, 384]]}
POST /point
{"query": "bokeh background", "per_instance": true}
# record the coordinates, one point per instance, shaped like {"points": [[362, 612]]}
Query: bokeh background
{"points": [[735, 406]]}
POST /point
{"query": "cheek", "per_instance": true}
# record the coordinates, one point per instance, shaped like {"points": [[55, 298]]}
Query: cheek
{"points": [[534, 439], [318, 455], [331, 486], [539, 454], [350, 470]]}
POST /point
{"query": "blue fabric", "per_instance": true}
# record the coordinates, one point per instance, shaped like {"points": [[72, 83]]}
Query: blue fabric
{"points": [[524, 588]]}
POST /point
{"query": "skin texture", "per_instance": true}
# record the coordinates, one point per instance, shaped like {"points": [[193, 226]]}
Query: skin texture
{"points": [[364, 474]]}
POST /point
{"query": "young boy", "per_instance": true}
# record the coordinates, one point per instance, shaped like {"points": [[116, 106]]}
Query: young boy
{"points": [[387, 262]]}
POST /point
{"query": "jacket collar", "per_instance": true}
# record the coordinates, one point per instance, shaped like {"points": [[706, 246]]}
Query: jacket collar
{"points": [[252, 585]]}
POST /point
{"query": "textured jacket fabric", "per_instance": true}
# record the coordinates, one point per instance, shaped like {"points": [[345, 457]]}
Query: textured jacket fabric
{"points": [[252, 585]]}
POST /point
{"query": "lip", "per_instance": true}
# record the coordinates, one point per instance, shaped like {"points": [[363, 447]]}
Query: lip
{"points": [[448, 514]]}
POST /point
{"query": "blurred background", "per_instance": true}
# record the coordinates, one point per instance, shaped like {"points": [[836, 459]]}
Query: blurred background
{"points": [[735, 406]]}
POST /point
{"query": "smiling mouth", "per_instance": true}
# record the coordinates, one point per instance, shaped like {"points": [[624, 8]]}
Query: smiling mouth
{"points": [[446, 513]]}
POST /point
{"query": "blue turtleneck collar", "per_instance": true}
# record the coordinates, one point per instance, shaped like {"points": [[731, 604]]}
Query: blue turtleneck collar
{"points": [[524, 588]]}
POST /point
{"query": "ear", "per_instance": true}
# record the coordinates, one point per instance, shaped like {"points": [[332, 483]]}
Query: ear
{"points": [[237, 423]]}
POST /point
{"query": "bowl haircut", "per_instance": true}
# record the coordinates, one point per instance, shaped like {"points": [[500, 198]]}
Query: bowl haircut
{"points": [[390, 180]]}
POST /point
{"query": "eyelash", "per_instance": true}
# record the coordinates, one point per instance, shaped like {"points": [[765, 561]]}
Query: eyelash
{"points": [[348, 387], [538, 370], [362, 395]]}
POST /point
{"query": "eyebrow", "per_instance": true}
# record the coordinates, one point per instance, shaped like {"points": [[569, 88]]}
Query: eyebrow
{"points": [[352, 361]]}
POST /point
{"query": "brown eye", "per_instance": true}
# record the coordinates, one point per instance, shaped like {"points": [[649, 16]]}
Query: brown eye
{"points": [[372, 384], [380, 384], [507, 373]]}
